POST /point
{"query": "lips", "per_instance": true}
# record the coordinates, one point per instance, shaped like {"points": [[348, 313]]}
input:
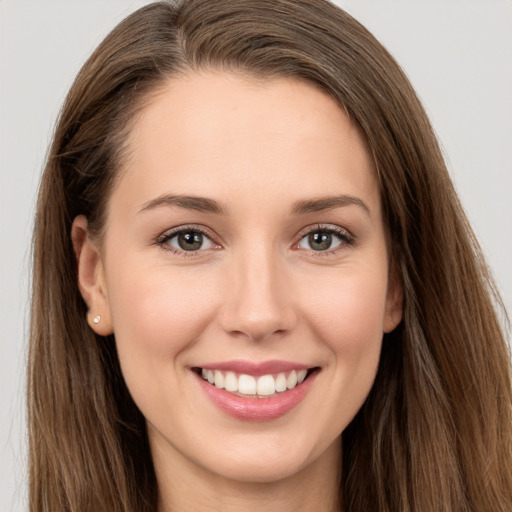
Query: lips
{"points": [[256, 391]]}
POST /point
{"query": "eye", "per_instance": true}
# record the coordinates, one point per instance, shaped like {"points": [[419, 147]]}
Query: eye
{"points": [[325, 239], [188, 240]]}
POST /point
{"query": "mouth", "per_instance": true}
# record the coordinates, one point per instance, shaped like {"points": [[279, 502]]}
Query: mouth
{"points": [[254, 386], [257, 392]]}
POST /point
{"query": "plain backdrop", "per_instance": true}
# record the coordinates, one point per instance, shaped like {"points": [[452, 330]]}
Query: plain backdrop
{"points": [[457, 53]]}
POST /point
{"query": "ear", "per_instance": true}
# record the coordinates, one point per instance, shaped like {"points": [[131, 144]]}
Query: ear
{"points": [[394, 300], [91, 277]]}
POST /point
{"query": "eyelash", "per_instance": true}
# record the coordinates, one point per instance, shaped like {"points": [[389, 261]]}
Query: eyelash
{"points": [[346, 239], [164, 238]]}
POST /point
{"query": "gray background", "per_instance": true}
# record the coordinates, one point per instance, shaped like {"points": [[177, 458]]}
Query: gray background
{"points": [[457, 53]]}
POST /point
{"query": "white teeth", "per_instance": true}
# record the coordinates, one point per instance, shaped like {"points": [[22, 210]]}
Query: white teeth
{"points": [[219, 379], [291, 381], [281, 383], [301, 375], [247, 384], [231, 382], [265, 385]]}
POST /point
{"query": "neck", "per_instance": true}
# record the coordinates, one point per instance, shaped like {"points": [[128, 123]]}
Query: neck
{"points": [[184, 486]]}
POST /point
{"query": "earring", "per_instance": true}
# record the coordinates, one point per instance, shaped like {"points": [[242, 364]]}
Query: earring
{"points": [[96, 319]]}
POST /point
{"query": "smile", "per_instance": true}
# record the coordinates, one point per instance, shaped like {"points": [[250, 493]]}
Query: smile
{"points": [[256, 391], [254, 386]]}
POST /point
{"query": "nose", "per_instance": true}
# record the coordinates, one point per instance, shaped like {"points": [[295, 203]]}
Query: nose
{"points": [[259, 300]]}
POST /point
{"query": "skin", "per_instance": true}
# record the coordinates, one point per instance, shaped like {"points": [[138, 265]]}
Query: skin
{"points": [[257, 291]]}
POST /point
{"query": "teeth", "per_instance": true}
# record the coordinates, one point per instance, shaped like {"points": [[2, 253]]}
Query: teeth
{"points": [[291, 381], [219, 379], [266, 385], [281, 383], [247, 384], [231, 382]]}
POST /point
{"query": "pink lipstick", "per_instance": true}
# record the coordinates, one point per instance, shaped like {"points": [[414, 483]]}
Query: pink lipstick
{"points": [[256, 391]]}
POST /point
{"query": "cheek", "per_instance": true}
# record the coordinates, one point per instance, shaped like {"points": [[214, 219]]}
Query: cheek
{"points": [[347, 318], [157, 313], [349, 311]]}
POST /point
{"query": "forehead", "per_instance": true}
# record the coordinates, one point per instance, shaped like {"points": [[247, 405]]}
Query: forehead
{"points": [[213, 132]]}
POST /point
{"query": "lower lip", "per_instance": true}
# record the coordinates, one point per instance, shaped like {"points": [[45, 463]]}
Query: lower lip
{"points": [[257, 409]]}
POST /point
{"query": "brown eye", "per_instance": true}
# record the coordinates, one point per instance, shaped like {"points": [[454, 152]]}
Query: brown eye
{"points": [[324, 240], [189, 241], [320, 241]]}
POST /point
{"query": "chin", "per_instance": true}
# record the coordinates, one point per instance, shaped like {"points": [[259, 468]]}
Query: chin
{"points": [[260, 469], [270, 458]]}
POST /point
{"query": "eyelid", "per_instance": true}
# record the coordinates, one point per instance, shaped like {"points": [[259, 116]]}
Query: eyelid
{"points": [[346, 237], [167, 235]]}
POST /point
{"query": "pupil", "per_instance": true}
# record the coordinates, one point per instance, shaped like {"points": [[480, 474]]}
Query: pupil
{"points": [[190, 241], [320, 241]]}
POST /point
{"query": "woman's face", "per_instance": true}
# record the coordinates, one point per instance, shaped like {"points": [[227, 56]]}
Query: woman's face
{"points": [[244, 247]]}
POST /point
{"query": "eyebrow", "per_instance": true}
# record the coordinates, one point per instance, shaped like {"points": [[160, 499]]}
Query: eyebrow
{"points": [[200, 204], [206, 205], [328, 203]]}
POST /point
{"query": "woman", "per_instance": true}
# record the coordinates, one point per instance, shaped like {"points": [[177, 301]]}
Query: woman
{"points": [[254, 285]]}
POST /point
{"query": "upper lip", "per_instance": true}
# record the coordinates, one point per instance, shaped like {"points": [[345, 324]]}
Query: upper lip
{"points": [[255, 368]]}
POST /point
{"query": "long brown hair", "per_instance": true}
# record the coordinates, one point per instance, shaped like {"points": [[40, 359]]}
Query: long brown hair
{"points": [[435, 433]]}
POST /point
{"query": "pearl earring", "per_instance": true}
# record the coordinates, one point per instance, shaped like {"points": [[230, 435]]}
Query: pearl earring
{"points": [[96, 319]]}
